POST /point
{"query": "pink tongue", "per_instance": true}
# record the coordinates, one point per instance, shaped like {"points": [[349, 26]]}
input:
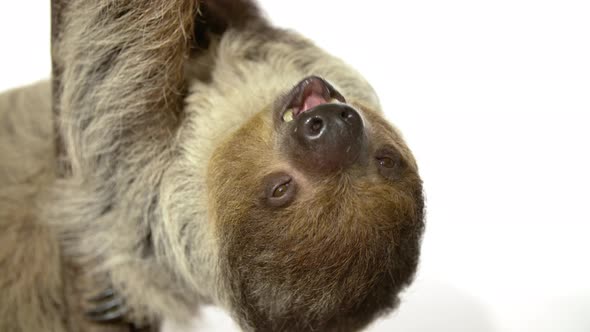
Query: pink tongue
{"points": [[312, 101]]}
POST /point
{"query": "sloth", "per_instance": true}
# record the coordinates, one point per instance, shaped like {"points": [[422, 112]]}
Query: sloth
{"points": [[200, 156]]}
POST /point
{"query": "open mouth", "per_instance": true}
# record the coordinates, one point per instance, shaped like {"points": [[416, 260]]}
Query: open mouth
{"points": [[307, 94]]}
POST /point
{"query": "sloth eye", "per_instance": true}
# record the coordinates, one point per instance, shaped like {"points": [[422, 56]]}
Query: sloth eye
{"points": [[390, 163], [386, 162], [279, 189]]}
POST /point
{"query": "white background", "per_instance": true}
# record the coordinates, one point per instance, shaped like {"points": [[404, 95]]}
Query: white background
{"points": [[494, 99]]}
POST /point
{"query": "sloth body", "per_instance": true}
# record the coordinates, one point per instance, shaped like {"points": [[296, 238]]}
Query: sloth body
{"points": [[209, 194]]}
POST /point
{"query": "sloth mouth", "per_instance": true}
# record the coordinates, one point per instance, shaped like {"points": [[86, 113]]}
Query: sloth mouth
{"points": [[307, 94]]}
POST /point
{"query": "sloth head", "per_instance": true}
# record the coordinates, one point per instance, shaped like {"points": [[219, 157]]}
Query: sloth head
{"points": [[317, 208]]}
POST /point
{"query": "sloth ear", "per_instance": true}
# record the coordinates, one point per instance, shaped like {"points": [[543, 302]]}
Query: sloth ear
{"points": [[214, 17]]}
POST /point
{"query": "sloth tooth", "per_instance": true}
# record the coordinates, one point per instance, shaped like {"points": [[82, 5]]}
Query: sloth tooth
{"points": [[288, 116]]}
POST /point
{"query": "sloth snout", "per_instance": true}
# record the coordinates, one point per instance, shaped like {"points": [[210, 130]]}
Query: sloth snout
{"points": [[330, 135]]}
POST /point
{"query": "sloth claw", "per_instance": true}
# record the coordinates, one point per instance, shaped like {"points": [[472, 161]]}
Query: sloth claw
{"points": [[106, 307], [108, 316], [106, 294]]}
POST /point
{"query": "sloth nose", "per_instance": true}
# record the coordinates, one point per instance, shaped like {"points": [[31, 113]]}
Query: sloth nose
{"points": [[330, 135]]}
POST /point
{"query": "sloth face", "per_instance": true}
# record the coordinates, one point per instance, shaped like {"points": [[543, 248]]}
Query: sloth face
{"points": [[318, 210]]}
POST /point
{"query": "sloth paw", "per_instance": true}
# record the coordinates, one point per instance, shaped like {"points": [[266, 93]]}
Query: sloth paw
{"points": [[106, 307]]}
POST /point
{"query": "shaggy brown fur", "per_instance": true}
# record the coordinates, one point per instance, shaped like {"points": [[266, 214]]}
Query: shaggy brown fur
{"points": [[167, 116]]}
